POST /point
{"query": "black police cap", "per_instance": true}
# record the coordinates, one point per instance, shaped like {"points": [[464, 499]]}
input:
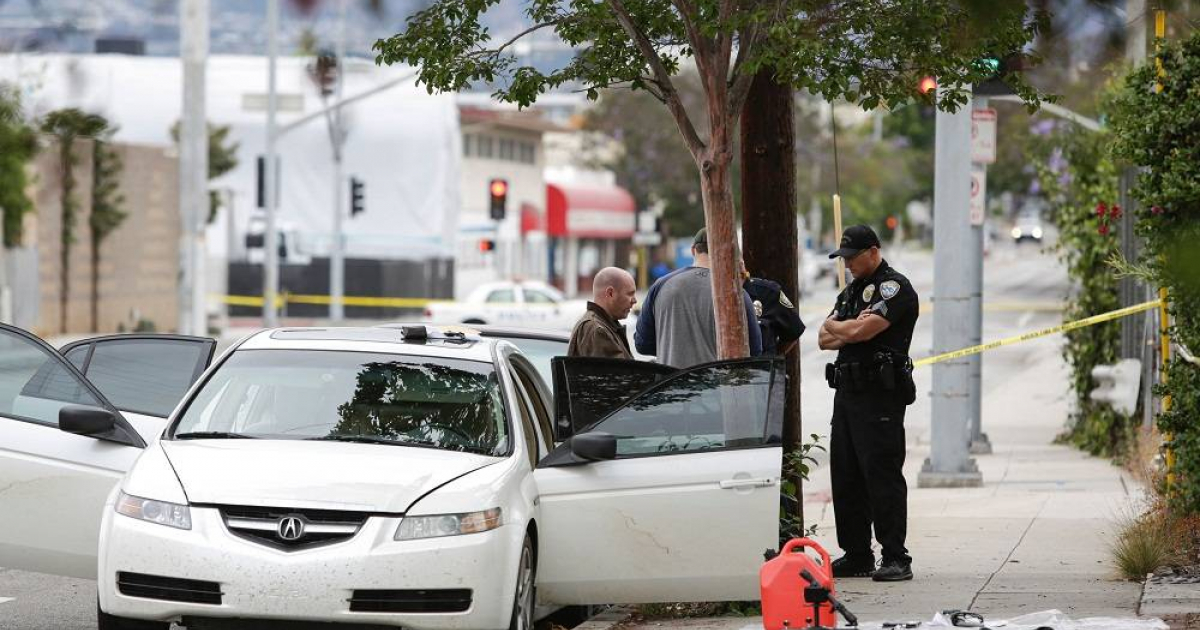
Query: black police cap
{"points": [[855, 239]]}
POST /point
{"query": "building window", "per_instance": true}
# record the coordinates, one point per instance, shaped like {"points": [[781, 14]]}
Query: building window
{"points": [[467, 141], [506, 149], [484, 146], [528, 153]]}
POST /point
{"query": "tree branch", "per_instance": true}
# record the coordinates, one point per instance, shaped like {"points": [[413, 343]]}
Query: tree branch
{"points": [[495, 52], [663, 78], [739, 79]]}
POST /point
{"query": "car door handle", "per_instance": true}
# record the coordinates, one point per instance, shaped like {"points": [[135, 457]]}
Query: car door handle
{"points": [[735, 484]]}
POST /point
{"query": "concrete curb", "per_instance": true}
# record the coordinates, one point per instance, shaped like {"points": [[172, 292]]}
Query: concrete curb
{"points": [[608, 619], [1169, 600]]}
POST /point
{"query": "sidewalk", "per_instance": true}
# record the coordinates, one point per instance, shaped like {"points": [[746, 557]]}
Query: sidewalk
{"points": [[1034, 537]]}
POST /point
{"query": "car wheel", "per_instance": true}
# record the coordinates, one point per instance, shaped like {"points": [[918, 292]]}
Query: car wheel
{"points": [[524, 597], [475, 321], [105, 621]]}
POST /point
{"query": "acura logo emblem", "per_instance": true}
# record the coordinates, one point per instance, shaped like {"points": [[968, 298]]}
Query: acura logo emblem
{"points": [[291, 528]]}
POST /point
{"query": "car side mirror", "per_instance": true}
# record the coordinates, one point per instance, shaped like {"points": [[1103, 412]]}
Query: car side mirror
{"points": [[594, 446], [87, 421]]}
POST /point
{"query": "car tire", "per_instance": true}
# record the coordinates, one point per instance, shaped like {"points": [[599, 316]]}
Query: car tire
{"points": [[525, 593], [105, 621]]}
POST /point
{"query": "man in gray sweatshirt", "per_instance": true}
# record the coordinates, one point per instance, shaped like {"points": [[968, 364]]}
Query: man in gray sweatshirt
{"points": [[678, 323]]}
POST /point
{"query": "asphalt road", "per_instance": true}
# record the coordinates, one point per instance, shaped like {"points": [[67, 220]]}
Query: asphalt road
{"points": [[1019, 282]]}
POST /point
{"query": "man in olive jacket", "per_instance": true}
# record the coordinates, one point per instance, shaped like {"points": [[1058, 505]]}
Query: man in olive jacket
{"points": [[599, 332]]}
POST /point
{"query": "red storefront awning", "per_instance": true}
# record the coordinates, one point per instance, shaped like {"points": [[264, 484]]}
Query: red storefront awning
{"points": [[590, 211]]}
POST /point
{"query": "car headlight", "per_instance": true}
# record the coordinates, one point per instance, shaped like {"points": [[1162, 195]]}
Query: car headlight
{"points": [[438, 525], [161, 512], [1037, 232], [1016, 232]]}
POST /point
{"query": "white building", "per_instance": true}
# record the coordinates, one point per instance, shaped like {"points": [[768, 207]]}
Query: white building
{"points": [[403, 143]]}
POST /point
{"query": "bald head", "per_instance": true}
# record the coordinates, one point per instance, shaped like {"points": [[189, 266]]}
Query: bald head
{"points": [[613, 290]]}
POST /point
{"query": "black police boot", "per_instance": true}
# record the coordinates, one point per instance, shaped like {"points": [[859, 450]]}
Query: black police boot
{"points": [[893, 571], [854, 566]]}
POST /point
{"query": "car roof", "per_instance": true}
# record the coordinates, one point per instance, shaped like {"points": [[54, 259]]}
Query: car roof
{"points": [[488, 330], [378, 339]]}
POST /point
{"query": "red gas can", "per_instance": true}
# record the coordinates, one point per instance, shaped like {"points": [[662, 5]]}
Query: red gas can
{"points": [[782, 587]]}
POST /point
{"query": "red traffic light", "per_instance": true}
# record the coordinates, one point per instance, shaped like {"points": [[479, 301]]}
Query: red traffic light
{"points": [[892, 222], [498, 187], [927, 85]]}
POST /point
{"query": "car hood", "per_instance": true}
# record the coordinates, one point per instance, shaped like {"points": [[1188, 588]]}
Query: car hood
{"points": [[315, 475]]}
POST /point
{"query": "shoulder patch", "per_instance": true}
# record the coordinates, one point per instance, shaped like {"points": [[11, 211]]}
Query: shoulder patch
{"points": [[783, 299], [889, 289], [868, 293]]}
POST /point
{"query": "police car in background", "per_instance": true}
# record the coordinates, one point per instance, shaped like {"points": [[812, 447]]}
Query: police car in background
{"points": [[511, 303], [378, 476]]}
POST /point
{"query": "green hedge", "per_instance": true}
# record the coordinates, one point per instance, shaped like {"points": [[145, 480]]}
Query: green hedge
{"points": [[1159, 131]]}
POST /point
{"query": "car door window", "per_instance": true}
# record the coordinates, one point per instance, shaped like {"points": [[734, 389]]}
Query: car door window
{"points": [[588, 388], [501, 296], [732, 404], [525, 375], [35, 381], [145, 375], [534, 296], [526, 414]]}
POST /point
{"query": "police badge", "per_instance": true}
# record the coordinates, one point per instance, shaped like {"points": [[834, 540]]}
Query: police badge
{"points": [[868, 293], [889, 289]]}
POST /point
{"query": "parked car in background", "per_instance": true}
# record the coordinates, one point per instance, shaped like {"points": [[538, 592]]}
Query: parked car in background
{"points": [[510, 303]]}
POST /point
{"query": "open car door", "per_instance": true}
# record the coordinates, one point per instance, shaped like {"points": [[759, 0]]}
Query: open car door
{"points": [[673, 496], [53, 483], [143, 375]]}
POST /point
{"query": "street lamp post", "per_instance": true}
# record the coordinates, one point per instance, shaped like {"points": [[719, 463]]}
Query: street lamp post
{"points": [[270, 192], [337, 258], [193, 168]]}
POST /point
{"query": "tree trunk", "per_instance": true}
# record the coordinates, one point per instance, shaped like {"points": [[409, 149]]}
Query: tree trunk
{"points": [[717, 188], [769, 229]]}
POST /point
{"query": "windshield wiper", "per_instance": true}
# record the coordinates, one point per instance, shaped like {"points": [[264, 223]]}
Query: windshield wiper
{"points": [[213, 435], [372, 439]]}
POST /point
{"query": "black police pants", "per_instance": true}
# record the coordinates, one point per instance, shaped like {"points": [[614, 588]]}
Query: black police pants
{"points": [[866, 455]]}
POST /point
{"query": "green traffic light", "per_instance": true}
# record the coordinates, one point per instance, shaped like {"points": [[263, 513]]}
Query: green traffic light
{"points": [[990, 65]]}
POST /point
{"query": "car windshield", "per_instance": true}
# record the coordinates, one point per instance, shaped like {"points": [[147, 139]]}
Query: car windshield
{"points": [[351, 396]]}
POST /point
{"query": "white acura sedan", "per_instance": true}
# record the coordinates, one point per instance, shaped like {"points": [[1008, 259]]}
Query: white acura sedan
{"points": [[382, 477]]}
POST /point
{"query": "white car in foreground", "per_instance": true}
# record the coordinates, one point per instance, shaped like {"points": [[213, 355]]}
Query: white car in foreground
{"points": [[375, 476], [510, 303]]}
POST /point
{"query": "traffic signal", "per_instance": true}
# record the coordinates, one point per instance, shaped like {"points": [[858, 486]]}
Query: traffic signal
{"points": [[487, 245], [995, 70], [927, 85], [357, 203], [498, 193], [892, 223]]}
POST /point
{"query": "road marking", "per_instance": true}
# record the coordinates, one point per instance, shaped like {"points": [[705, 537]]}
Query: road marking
{"points": [[5, 600]]}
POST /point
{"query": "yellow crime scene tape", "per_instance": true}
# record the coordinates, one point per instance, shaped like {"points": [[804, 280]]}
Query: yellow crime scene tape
{"points": [[1082, 323], [287, 298]]}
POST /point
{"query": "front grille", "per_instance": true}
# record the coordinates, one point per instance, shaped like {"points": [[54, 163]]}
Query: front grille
{"points": [[168, 589], [292, 529], [449, 600]]}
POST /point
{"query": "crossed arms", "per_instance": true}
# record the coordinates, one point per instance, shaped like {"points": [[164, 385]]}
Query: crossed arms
{"points": [[835, 334]]}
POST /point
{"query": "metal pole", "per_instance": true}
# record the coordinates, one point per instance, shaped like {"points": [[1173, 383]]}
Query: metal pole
{"points": [[949, 463], [337, 260], [193, 168], [6, 314], [270, 174], [979, 443]]}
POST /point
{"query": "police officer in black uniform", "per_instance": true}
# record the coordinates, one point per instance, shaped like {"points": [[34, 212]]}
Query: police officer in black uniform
{"points": [[871, 328], [777, 317]]}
